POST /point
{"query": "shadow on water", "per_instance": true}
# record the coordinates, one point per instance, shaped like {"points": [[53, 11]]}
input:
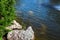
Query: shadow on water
{"points": [[42, 16]]}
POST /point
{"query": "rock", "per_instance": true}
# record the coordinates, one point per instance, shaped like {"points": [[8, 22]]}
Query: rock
{"points": [[29, 32], [14, 25], [21, 34]]}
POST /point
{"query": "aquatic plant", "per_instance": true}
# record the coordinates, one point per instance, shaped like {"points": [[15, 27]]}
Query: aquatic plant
{"points": [[6, 15]]}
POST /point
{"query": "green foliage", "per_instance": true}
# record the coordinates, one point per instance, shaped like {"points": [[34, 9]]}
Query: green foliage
{"points": [[6, 14], [1, 38]]}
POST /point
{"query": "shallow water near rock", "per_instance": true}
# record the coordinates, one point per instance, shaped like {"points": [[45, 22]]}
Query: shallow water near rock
{"points": [[42, 16]]}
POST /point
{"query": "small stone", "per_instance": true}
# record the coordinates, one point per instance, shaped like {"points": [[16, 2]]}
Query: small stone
{"points": [[15, 25]]}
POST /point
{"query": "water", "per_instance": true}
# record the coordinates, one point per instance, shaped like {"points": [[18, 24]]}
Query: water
{"points": [[42, 16]]}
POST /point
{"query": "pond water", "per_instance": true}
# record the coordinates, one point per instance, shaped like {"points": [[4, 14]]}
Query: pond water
{"points": [[42, 16]]}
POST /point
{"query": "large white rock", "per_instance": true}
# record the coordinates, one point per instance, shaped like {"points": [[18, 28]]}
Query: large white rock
{"points": [[21, 34], [15, 25]]}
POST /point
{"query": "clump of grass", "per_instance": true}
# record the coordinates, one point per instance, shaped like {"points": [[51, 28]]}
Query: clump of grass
{"points": [[6, 15]]}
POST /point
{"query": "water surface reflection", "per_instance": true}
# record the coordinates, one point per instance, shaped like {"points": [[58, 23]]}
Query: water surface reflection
{"points": [[42, 16]]}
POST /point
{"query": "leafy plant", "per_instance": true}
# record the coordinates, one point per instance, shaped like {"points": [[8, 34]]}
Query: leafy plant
{"points": [[6, 15]]}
